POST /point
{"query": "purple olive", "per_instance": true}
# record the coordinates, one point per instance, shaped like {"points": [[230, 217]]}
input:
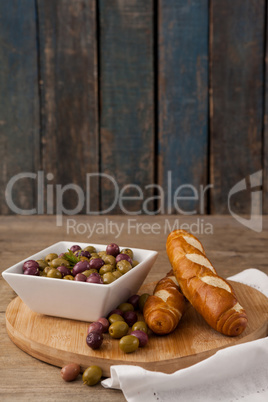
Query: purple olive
{"points": [[113, 249], [116, 311], [80, 277], [30, 263], [32, 271], [64, 270], [95, 326], [82, 253], [96, 263], [142, 337], [80, 266], [95, 278], [61, 255], [95, 274], [75, 248], [94, 340], [134, 300], [105, 324], [130, 317], [123, 257]]}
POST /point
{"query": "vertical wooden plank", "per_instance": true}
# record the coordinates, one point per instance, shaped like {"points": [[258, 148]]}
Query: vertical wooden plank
{"points": [[126, 84], [237, 34], [68, 57], [19, 103], [265, 136], [183, 101]]}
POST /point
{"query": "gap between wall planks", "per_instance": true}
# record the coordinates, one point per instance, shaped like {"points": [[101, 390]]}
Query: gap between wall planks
{"points": [[49, 96], [183, 98], [19, 106], [236, 107]]}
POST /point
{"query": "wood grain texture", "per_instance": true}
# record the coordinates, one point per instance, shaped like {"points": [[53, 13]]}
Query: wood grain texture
{"points": [[183, 97], [236, 102], [19, 101], [68, 70], [153, 68], [127, 104], [231, 248], [59, 341], [265, 121]]}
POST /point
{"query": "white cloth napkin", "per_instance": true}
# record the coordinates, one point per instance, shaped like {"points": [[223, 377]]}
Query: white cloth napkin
{"points": [[253, 277], [236, 373]]}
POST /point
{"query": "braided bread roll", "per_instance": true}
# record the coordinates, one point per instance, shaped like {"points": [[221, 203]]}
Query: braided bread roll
{"points": [[163, 310], [211, 295]]}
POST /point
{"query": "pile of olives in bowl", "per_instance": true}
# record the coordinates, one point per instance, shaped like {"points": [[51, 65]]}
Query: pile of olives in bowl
{"points": [[86, 265]]}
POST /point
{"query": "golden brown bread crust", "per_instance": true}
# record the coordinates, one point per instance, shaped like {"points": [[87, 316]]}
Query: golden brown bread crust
{"points": [[163, 310], [209, 294]]}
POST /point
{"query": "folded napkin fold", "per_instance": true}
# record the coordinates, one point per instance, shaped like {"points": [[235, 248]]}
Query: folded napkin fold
{"points": [[232, 374]]}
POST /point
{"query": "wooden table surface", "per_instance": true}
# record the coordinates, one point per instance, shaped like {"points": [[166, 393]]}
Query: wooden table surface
{"points": [[230, 246]]}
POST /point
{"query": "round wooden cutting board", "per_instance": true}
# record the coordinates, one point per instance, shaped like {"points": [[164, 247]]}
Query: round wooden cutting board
{"points": [[61, 341]]}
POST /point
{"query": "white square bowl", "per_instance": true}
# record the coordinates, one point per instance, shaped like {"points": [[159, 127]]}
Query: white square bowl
{"points": [[73, 299]]}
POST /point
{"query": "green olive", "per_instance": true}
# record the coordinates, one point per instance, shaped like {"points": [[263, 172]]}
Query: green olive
{"points": [[68, 277], [46, 270], [128, 252], [105, 268], [108, 278], [89, 272], [109, 259], [129, 343], [115, 317], [90, 249], [140, 326], [134, 263], [94, 255], [142, 300], [54, 273], [57, 262], [101, 253], [123, 266], [116, 274], [42, 264], [118, 329], [92, 375], [42, 273], [51, 257], [83, 258], [126, 307]]}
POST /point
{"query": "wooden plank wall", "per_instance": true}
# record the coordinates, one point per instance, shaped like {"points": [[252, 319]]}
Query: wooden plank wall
{"points": [[237, 78], [127, 98], [183, 99], [265, 134], [19, 105], [69, 94], [148, 92]]}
